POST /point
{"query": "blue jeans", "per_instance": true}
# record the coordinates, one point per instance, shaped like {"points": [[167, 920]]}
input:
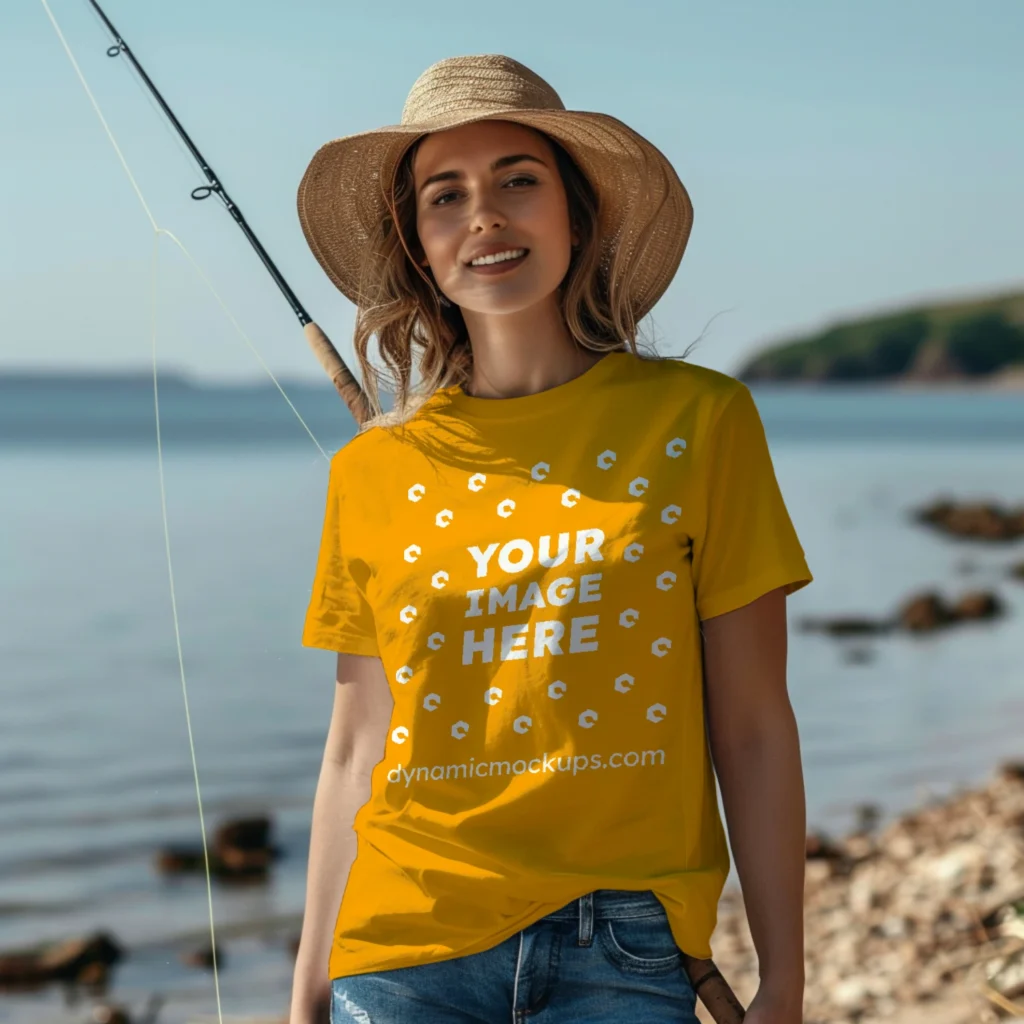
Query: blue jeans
{"points": [[608, 956]]}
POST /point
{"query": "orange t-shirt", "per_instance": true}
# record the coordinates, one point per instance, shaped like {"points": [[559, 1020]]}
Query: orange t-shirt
{"points": [[532, 573]]}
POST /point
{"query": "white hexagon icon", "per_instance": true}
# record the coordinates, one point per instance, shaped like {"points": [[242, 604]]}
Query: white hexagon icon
{"points": [[633, 552], [493, 695], [570, 496], [556, 690], [522, 723], [506, 508], [587, 719], [431, 701], [444, 517], [459, 730], [624, 683], [408, 613], [540, 471], [638, 486], [675, 448], [628, 618], [416, 492], [665, 580], [403, 675], [606, 459], [412, 552], [656, 712], [435, 640], [476, 481], [439, 579], [670, 514], [399, 734], [660, 646]]}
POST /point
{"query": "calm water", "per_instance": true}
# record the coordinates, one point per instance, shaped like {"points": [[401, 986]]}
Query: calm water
{"points": [[94, 764]]}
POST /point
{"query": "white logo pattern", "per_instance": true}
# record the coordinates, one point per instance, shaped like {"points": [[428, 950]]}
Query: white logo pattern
{"points": [[628, 618]]}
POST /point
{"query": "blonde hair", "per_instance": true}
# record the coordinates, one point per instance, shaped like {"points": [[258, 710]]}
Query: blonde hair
{"points": [[404, 309]]}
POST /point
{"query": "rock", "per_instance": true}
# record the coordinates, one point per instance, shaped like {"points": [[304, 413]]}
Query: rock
{"points": [[203, 957], [84, 961], [977, 521], [243, 834], [977, 605], [1017, 571], [850, 994], [179, 860], [820, 847], [916, 912], [240, 851], [925, 612]]}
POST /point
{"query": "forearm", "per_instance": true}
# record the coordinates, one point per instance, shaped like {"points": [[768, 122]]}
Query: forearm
{"points": [[760, 776], [340, 792]]}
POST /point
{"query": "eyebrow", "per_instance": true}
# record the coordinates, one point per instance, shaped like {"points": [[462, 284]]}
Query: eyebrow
{"points": [[498, 164]]}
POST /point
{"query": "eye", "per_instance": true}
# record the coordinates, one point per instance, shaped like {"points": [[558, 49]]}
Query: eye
{"points": [[526, 178]]}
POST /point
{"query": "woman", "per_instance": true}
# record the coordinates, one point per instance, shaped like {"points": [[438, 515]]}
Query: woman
{"points": [[528, 569]]}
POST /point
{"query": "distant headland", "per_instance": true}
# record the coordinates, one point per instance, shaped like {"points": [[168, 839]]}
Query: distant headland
{"points": [[974, 341]]}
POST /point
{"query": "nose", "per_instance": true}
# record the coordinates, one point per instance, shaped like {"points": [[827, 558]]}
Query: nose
{"points": [[486, 216]]}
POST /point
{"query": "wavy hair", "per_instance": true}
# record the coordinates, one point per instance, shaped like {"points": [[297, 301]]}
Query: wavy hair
{"points": [[403, 306]]}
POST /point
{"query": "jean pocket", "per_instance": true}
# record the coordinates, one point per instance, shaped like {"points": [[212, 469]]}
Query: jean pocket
{"points": [[643, 945]]}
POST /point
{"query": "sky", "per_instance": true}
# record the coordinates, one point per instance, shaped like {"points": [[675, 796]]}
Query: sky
{"points": [[841, 157]]}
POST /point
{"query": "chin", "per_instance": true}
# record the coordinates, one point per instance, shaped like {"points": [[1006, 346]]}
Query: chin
{"points": [[514, 300]]}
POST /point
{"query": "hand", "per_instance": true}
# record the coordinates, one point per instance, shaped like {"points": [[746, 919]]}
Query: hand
{"points": [[770, 1006]]}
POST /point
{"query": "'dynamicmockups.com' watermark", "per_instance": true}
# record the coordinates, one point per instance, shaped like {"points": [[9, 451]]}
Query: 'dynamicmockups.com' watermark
{"points": [[572, 763]]}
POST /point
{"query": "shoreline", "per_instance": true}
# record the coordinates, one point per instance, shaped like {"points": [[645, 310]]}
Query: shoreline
{"points": [[905, 918], [921, 919]]}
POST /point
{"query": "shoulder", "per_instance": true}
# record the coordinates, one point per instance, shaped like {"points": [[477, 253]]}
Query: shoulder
{"points": [[674, 372], [357, 453], [702, 391]]}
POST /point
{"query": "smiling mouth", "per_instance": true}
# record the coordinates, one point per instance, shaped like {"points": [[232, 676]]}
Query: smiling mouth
{"points": [[499, 266]]}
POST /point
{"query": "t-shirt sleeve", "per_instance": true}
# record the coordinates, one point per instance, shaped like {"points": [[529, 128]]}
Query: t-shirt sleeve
{"points": [[339, 616], [748, 544]]}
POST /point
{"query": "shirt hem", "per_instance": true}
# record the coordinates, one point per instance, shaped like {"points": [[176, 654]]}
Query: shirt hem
{"points": [[792, 577], [366, 965], [341, 644]]}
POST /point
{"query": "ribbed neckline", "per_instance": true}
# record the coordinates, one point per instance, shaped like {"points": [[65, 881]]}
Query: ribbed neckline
{"points": [[539, 403]]}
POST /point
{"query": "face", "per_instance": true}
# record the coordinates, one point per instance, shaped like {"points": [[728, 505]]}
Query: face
{"points": [[492, 187]]}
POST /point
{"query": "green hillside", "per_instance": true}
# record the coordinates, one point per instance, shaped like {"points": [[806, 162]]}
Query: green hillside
{"points": [[943, 341]]}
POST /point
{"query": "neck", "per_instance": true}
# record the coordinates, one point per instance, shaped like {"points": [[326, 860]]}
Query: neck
{"points": [[522, 353]]}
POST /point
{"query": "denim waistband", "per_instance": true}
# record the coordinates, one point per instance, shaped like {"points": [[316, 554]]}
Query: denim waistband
{"points": [[610, 904]]}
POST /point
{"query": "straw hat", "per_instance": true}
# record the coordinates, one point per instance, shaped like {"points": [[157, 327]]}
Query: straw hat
{"points": [[341, 195]]}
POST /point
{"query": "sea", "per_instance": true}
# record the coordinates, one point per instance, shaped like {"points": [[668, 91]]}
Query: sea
{"points": [[95, 769]]}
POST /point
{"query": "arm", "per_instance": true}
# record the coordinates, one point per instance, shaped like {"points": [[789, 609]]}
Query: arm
{"points": [[756, 752], [355, 744]]}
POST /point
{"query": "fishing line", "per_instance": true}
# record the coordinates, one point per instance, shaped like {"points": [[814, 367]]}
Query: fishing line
{"points": [[157, 232]]}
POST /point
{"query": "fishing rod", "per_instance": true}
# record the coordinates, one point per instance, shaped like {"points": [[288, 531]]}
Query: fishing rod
{"points": [[327, 355]]}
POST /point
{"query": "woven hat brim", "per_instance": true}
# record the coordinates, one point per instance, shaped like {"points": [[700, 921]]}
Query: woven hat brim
{"points": [[341, 196]]}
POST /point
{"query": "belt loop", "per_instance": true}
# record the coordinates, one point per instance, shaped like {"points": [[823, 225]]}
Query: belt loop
{"points": [[586, 933]]}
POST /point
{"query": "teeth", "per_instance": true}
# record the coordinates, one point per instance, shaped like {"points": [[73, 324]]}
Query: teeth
{"points": [[498, 257]]}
